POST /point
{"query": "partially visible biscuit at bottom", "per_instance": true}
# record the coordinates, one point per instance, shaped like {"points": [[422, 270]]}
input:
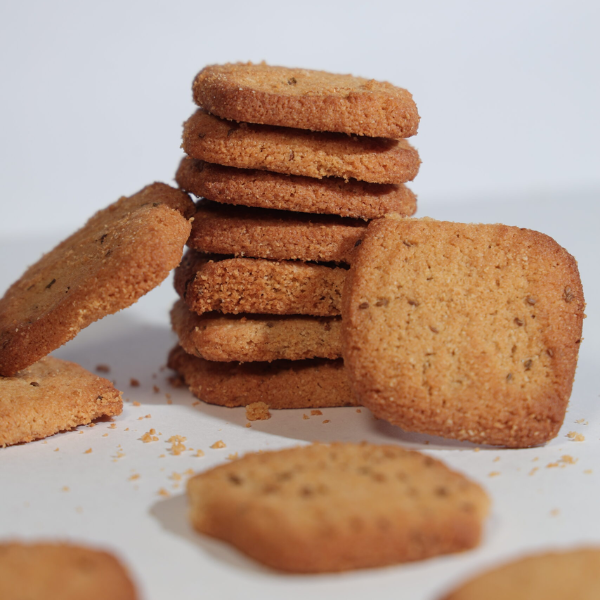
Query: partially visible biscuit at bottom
{"points": [[52, 395], [553, 576], [53, 571], [316, 383], [325, 508]]}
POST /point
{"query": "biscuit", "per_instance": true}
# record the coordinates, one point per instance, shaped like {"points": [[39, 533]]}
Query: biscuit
{"points": [[250, 338], [337, 507], [274, 234], [263, 189], [555, 576], [52, 571], [306, 99], [298, 152], [316, 383], [120, 254], [464, 331], [52, 395], [255, 285]]}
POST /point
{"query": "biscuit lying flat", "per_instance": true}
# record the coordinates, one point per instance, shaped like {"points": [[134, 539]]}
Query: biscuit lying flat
{"points": [[120, 254], [306, 99], [313, 383], [556, 576], [333, 508], [463, 331], [331, 195], [250, 338], [52, 395], [298, 152], [48, 571], [274, 234], [253, 285]]}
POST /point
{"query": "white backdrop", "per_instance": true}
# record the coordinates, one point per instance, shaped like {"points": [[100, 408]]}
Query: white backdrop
{"points": [[94, 93]]}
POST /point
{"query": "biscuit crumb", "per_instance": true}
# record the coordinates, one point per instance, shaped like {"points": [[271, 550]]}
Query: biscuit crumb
{"points": [[91, 425], [199, 453], [56, 450], [576, 437], [316, 413], [588, 471], [127, 429], [112, 426], [134, 382], [136, 404], [478, 449], [88, 451], [218, 444], [168, 397], [257, 411], [134, 477], [582, 422], [176, 476], [65, 488], [533, 470], [105, 435], [156, 389], [305, 417], [496, 459], [177, 448], [494, 474], [358, 410], [326, 421], [163, 492], [196, 403], [103, 368], [233, 456], [248, 425], [149, 436], [554, 512]]}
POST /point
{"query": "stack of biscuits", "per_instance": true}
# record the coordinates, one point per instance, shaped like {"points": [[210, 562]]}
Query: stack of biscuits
{"points": [[290, 165]]}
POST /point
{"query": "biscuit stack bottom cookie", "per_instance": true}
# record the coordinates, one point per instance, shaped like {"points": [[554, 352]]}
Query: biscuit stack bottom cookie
{"points": [[291, 165]]}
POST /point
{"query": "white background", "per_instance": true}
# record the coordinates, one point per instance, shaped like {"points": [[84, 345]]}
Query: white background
{"points": [[93, 97]]}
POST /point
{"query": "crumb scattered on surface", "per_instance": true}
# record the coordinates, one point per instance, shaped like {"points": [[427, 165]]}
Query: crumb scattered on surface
{"points": [[248, 425], [156, 389], [134, 477], [316, 413], [326, 421], [199, 453], [536, 458], [162, 455], [112, 426], [582, 422], [233, 456], [588, 471], [533, 470], [163, 492], [218, 444], [127, 429], [88, 451], [305, 417], [105, 435], [576, 437], [136, 404], [569, 460], [494, 474], [91, 425], [177, 445], [81, 433], [196, 403], [103, 368], [358, 410], [496, 459], [188, 472], [133, 382], [176, 476], [149, 436], [56, 450], [257, 411], [562, 462], [65, 488], [554, 512], [478, 449]]}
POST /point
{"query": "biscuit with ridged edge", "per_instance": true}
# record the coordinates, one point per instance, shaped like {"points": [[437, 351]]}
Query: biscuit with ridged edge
{"points": [[306, 99], [274, 234], [316, 383], [463, 331], [61, 571], [120, 254], [52, 395], [264, 189], [324, 508], [251, 338], [551, 576], [256, 285], [298, 152]]}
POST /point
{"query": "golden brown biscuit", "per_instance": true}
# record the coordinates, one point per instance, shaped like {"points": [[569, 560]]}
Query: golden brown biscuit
{"points": [[306, 99], [463, 331], [274, 234], [298, 152], [254, 285], [251, 338], [316, 383], [572, 574], [263, 189], [51, 571], [52, 395], [324, 508], [120, 254]]}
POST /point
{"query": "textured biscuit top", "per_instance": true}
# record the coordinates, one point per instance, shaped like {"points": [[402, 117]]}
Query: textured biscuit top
{"points": [[464, 331], [306, 99], [52, 395], [48, 571], [274, 234], [330, 508], [120, 254], [264, 189], [298, 152], [557, 576]]}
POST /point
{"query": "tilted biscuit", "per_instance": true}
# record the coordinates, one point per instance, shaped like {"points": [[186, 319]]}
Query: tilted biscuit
{"points": [[316, 383], [52, 395], [251, 338], [306, 99], [298, 152], [119, 255], [556, 576], [337, 507], [264, 189], [54, 571], [274, 234], [254, 285], [463, 331]]}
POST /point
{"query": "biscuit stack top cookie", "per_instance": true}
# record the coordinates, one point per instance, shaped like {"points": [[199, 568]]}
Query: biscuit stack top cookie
{"points": [[291, 165]]}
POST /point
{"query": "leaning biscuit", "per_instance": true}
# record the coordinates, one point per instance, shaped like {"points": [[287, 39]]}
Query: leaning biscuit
{"points": [[572, 574], [120, 254], [327, 508], [251, 338], [264, 189], [253, 285], [52, 395], [52, 571], [298, 152], [316, 383], [274, 234], [306, 99], [464, 331]]}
